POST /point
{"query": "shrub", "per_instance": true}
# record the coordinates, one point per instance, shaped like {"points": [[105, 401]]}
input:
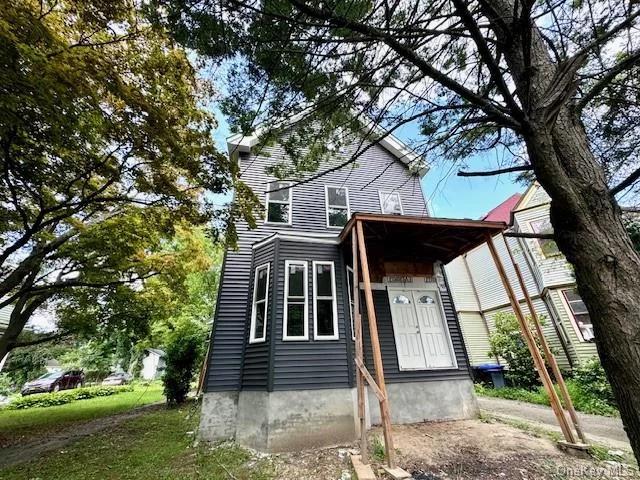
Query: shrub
{"points": [[183, 353], [592, 381], [507, 342], [65, 396]]}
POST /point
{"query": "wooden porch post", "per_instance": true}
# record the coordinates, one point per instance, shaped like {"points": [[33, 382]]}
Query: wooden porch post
{"points": [[357, 323], [564, 392], [375, 347], [531, 344]]}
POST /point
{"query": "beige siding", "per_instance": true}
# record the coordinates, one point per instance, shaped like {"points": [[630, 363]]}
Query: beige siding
{"points": [[4, 317], [461, 284], [476, 337], [485, 275], [581, 350]]}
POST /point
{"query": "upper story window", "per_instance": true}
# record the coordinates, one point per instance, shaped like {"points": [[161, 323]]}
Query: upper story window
{"points": [[295, 321], [258, 330], [580, 314], [390, 202], [337, 206], [325, 310], [548, 247], [279, 198]]}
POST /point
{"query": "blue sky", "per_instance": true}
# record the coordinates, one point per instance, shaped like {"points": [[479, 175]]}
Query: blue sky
{"points": [[447, 194]]}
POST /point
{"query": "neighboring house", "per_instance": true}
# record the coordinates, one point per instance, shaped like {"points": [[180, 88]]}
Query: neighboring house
{"points": [[52, 365], [548, 277], [152, 364], [5, 312], [280, 370]]}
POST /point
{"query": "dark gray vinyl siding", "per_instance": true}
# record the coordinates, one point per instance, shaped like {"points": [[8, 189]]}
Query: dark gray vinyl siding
{"points": [[311, 364], [255, 370], [392, 372], [224, 367]]}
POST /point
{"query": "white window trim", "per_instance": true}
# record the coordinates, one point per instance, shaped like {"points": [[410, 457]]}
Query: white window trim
{"points": [[336, 334], [390, 192], [305, 336], [266, 210], [351, 299], [327, 205], [252, 337], [572, 317]]}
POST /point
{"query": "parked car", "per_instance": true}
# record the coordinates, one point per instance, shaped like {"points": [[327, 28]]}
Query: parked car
{"points": [[121, 378], [54, 381]]}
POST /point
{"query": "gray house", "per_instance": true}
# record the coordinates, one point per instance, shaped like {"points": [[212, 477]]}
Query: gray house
{"points": [[280, 371]]}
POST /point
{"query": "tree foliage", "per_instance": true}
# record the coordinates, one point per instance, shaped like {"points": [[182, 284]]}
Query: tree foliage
{"points": [[507, 342], [105, 149]]}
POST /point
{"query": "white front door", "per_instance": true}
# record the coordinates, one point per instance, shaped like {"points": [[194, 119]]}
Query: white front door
{"points": [[433, 329], [420, 330], [406, 331]]}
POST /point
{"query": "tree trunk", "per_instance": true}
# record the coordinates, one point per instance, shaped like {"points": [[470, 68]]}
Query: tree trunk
{"points": [[586, 219], [20, 315]]}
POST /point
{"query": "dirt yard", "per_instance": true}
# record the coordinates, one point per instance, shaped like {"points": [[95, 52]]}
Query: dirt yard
{"points": [[471, 449]]}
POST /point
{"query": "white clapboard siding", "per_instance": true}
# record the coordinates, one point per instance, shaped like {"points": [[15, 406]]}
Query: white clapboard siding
{"points": [[4, 317], [461, 284], [476, 337]]}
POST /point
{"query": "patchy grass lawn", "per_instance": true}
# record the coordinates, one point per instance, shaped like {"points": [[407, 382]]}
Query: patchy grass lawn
{"points": [[18, 425], [582, 401], [159, 445], [153, 446]]}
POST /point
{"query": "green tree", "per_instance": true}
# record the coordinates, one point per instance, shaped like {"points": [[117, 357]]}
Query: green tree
{"points": [[507, 342], [184, 352], [544, 87], [105, 148]]}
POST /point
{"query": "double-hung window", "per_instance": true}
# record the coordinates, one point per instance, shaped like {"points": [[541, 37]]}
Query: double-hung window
{"points": [[325, 311], [390, 202], [279, 197], [580, 314], [295, 322], [337, 206], [548, 247], [258, 332]]}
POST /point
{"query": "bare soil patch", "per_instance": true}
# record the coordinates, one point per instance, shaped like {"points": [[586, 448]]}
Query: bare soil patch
{"points": [[469, 449]]}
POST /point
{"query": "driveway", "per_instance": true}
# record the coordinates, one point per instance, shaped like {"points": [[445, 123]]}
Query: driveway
{"points": [[606, 430]]}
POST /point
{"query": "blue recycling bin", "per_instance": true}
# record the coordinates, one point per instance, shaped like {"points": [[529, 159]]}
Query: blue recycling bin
{"points": [[494, 372]]}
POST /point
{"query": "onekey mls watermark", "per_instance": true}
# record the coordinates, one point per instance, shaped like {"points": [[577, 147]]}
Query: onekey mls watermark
{"points": [[617, 470]]}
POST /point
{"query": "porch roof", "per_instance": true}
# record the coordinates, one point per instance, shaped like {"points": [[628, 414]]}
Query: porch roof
{"points": [[420, 239]]}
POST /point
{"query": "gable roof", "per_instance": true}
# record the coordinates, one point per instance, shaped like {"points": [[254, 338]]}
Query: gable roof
{"points": [[502, 213], [410, 158]]}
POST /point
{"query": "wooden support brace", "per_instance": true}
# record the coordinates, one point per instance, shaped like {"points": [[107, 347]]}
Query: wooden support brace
{"points": [[375, 347], [367, 376], [551, 358], [359, 354], [531, 344]]}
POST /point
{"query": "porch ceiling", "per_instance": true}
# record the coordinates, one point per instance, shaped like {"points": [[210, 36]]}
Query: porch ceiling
{"points": [[419, 239]]}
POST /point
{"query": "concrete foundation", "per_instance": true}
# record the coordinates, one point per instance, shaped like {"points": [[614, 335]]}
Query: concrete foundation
{"points": [[219, 416], [426, 401], [296, 420]]}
